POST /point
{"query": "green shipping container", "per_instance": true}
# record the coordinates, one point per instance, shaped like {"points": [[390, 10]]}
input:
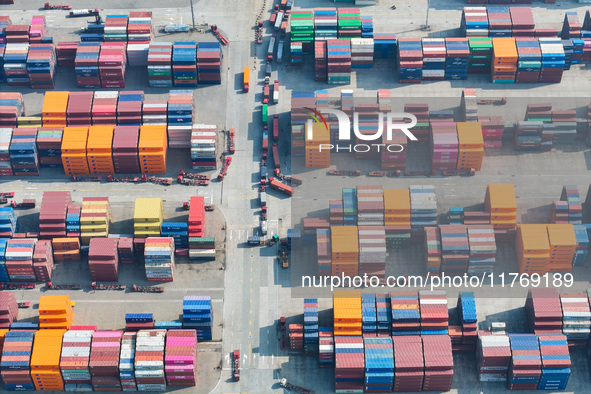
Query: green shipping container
{"points": [[265, 114]]}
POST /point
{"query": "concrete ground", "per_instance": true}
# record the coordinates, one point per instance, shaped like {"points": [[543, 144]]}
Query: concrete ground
{"points": [[253, 292]]}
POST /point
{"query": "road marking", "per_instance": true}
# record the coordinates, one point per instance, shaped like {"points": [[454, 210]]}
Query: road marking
{"points": [[251, 311]]}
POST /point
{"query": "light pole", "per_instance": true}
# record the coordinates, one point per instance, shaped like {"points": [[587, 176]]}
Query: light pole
{"points": [[426, 26], [193, 14]]}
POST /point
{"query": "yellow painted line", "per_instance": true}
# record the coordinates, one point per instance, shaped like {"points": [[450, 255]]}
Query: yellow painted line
{"points": [[250, 269], [251, 279], [251, 289], [251, 311], [250, 323]]}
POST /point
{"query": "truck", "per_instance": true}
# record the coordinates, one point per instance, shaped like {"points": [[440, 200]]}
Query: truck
{"points": [[224, 170], [276, 92], [236, 365], [271, 48], [280, 51], [292, 387], [263, 200], [283, 253], [265, 113], [275, 128], [264, 226], [265, 142], [77, 13], [278, 20], [282, 187], [273, 17], [246, 78], [276, 158], [266, 92], [283, 28], [260, 241], [231, 148], [259, 32]]}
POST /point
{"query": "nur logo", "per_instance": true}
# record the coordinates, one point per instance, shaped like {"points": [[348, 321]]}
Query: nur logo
{"points": [[394, 121]]}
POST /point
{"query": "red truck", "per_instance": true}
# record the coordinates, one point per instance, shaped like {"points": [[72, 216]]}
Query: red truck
{"points": [[231, 148], [266, 92], [273, 17], [236, 365], [275, 127], [275, 184], [276, 160]]}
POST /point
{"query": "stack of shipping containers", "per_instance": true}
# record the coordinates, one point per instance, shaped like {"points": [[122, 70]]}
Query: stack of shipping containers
{"points": [[311, 325], [180, 118], [127, 362], [444, 146], [87, 64], [406, 316], [501, 203], [43, 260], [505, 58], [434, 314], [434, 59], [113, 65], [372, 251], [180, 361], [203, 147], [66, 249], [116, 28], [408, 363], [344, 250], [347, 313], [370, 206], [125, 149], [434, 251], [349, 363], [198, 315], [45, 360], [148, 217], [410, 60], [317, 137], [160, 65], [576, 317], [471, 145], [493, 353], [423, 208], [379, 365], [339, 61], [526, 362], [19, 260], [439, 363], [129, 108], [483, 249], [103, 259], [74, 360], [78, 112], [8, 306], [73, 149], [55, 312], [16, 371], [149, 360], [209, 63], [556, 362], [95, 217], [184, 64], [544, 311], [532, 248], [455, 249], [104, 360], [23, 152], [159, 259], [104, 108], [397, 217], [52, 218], [99, 150], [323, 249], [152, 148]]}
